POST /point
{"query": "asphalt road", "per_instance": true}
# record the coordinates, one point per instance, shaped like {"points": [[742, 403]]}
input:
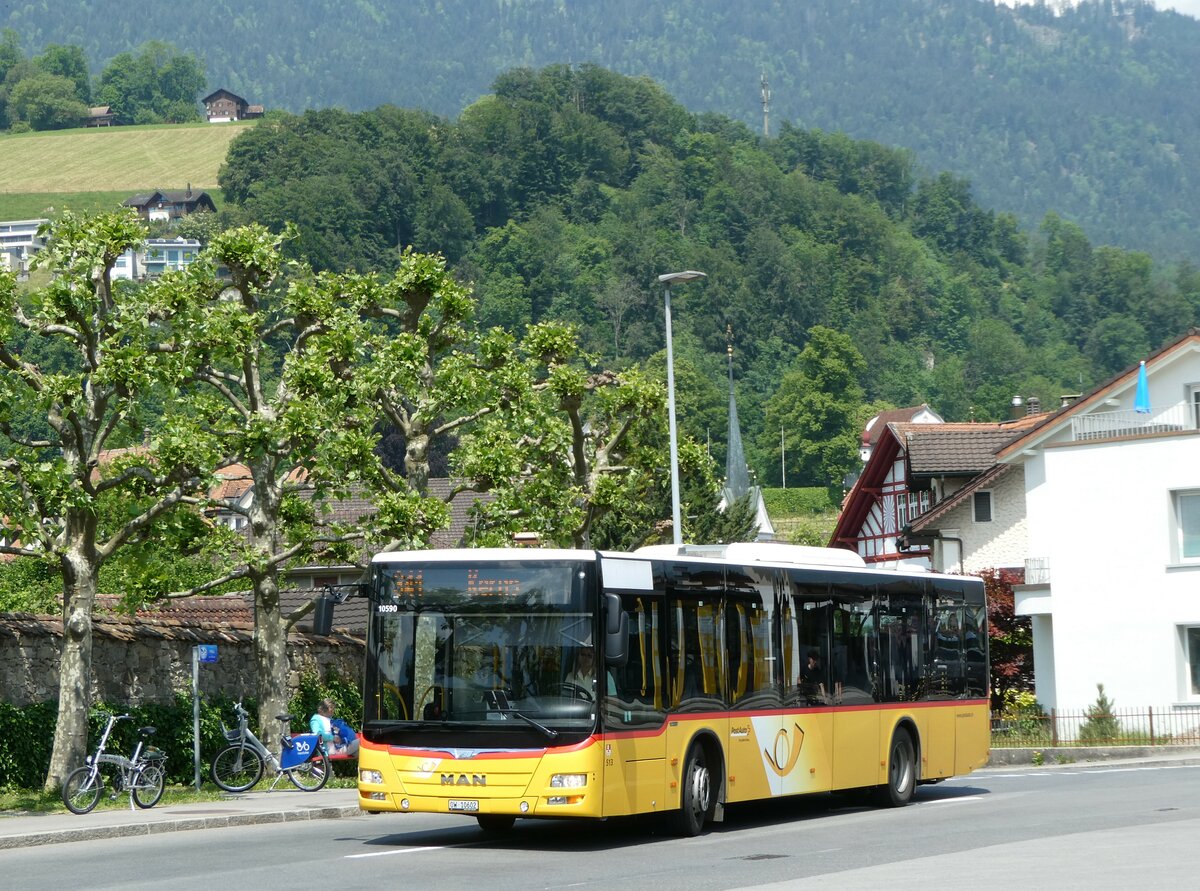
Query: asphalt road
{"points": [[1095, 828]]}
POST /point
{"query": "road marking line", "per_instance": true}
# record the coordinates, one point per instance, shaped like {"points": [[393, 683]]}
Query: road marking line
{"points": [[398, 851], [952, 800]]}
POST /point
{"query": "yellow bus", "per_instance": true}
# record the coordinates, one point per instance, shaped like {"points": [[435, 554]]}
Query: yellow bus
{"points": [[510, 683]]}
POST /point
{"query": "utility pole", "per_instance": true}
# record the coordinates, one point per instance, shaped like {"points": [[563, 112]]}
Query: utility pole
{"points": [[783, 457], [766, 104]]}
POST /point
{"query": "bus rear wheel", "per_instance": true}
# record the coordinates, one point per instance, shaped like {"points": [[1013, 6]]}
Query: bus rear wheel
{"points": [[696, 795], [902, 772]]}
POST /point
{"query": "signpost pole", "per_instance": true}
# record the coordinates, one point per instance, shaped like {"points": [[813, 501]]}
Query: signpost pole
{"points": [[196, 713], [200, 653]]}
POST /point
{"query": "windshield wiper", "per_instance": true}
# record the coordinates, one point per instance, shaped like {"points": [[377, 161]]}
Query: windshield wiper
{"points": [[497, 700], [550, 732]]}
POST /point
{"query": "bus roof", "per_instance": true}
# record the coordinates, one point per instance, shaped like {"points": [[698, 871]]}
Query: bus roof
{"points": [[774, 553]]}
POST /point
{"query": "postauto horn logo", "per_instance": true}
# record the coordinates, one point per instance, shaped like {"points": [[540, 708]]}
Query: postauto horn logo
{"points": [[786, 750]]}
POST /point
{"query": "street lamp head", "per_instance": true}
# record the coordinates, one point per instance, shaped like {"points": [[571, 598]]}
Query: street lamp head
{"points": [[678, 278]]}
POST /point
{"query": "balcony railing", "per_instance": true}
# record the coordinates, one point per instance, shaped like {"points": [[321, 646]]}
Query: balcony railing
{"points": [[1109, 424], [1037, 570]]}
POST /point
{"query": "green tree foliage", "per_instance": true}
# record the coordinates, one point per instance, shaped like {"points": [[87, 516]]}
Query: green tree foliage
{"points": [[68, 62], [157, 84], [1042, 105], [579, 195], [46, 102], [816, 406], [57, 485]]}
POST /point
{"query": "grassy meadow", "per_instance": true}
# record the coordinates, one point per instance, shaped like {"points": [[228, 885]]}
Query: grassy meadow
{"points": [[98, 168]]}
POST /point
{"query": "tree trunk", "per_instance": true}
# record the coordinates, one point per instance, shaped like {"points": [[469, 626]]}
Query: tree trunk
{"points": [[270, 634], [416, 458], [270, 657], [74, 669]]}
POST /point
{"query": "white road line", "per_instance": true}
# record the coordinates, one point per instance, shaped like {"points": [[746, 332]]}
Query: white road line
{"points": [[396, 851], [951, 800]]}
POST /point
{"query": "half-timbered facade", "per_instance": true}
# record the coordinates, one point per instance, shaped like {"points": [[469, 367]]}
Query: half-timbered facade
{"points": [[914, 468]]}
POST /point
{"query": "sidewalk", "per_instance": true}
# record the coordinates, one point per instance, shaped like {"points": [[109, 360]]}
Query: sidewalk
{"points": [[1094, 756], [280, 806]]}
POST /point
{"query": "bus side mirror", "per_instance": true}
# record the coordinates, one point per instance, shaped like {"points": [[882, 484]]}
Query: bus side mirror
{"points": [[616, 631], [323, 615]]}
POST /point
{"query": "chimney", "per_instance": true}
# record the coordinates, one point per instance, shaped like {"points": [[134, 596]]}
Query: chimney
{"points": [[189, 191], [1067, 399], [1034, 406], [1017, 409]]}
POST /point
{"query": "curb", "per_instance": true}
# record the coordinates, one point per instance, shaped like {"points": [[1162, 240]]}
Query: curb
{"points": [[1080, 755], [176, 824]]}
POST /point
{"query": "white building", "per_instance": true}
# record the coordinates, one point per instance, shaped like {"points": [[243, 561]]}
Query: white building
{"points": [[19, 241], [156, 256], [1112, 496]]}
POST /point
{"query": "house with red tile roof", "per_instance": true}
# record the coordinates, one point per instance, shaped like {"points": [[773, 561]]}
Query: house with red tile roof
{"points": [[915, 468]]}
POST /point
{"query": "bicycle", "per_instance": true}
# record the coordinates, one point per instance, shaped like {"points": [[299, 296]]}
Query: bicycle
{"points": [[240, 765], [141, 775]]}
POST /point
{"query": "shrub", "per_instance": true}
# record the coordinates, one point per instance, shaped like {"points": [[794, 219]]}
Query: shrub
{"points": [[805, 501], [29, 734], [1101, 725]]}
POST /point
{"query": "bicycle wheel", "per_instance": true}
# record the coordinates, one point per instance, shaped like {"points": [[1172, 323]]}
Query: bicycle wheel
{"points": [[82, 790], [148, 785], [237, 768], [312, 774]]}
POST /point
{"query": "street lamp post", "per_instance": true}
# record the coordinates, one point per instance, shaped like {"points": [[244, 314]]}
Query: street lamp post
{"points": [[667, 280]]}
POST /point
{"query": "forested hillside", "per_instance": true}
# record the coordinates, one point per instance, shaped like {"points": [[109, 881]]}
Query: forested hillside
{"points": [[842, 276], [1090, 113]]}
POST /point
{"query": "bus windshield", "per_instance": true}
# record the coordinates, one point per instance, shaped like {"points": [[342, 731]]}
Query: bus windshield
{"points": [[483, 656]]}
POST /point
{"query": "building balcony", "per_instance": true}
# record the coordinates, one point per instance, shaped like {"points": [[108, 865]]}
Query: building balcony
{"points": [[1113, 424], [1037, 571]]}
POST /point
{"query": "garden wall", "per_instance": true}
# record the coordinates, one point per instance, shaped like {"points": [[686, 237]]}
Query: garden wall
{"points": [[140, 661]]}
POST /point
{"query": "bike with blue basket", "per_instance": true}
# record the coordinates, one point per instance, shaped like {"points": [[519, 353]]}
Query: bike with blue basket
{"points": [[241, 764]]}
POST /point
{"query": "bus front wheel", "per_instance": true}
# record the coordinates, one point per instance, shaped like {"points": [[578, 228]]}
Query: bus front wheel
{"points": [[696, 795], [902, 772]]}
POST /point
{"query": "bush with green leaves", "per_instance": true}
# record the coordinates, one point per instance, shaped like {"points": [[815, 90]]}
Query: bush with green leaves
{"points": [[1101, 724], [804, 501], [29, 731]]}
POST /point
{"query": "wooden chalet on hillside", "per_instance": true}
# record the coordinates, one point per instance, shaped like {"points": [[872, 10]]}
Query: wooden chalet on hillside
{"points": [[170, 205], [224, 106]]}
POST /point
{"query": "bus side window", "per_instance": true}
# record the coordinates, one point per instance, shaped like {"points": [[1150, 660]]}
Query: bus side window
{"points": [[974, 651], [946, 662], [855, 649], [636, 688], [806, 642]]}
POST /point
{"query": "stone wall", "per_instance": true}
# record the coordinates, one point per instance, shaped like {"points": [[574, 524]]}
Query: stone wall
{"points": [[147, 660]]}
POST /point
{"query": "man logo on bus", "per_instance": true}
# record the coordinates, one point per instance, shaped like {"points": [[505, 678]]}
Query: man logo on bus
{"points": [[787, 752], [462, 779]]}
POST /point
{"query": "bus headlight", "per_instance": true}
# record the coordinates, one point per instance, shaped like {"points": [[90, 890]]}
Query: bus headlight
{"points": [[370, 776], [568, 781]]}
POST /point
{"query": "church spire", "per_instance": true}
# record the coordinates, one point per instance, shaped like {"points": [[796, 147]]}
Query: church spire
{"points": [[737, 474]]}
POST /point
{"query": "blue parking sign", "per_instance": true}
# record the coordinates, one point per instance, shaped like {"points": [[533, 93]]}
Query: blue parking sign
{"points": [[208, 652]]}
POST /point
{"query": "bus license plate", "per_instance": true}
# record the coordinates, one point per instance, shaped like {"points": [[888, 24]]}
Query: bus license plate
{"points": [[458, 804]]}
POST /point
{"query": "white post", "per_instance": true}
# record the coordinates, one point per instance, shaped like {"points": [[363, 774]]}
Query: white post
{"points": [[782, 458], [196, 714], [676, 523], [676, 517]]}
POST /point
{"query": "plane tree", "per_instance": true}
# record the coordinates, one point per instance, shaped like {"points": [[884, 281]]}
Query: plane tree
{"points": [[78, 358]]}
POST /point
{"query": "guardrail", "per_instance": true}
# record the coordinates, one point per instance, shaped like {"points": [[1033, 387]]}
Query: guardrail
{"points": [[1146, 726]]}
